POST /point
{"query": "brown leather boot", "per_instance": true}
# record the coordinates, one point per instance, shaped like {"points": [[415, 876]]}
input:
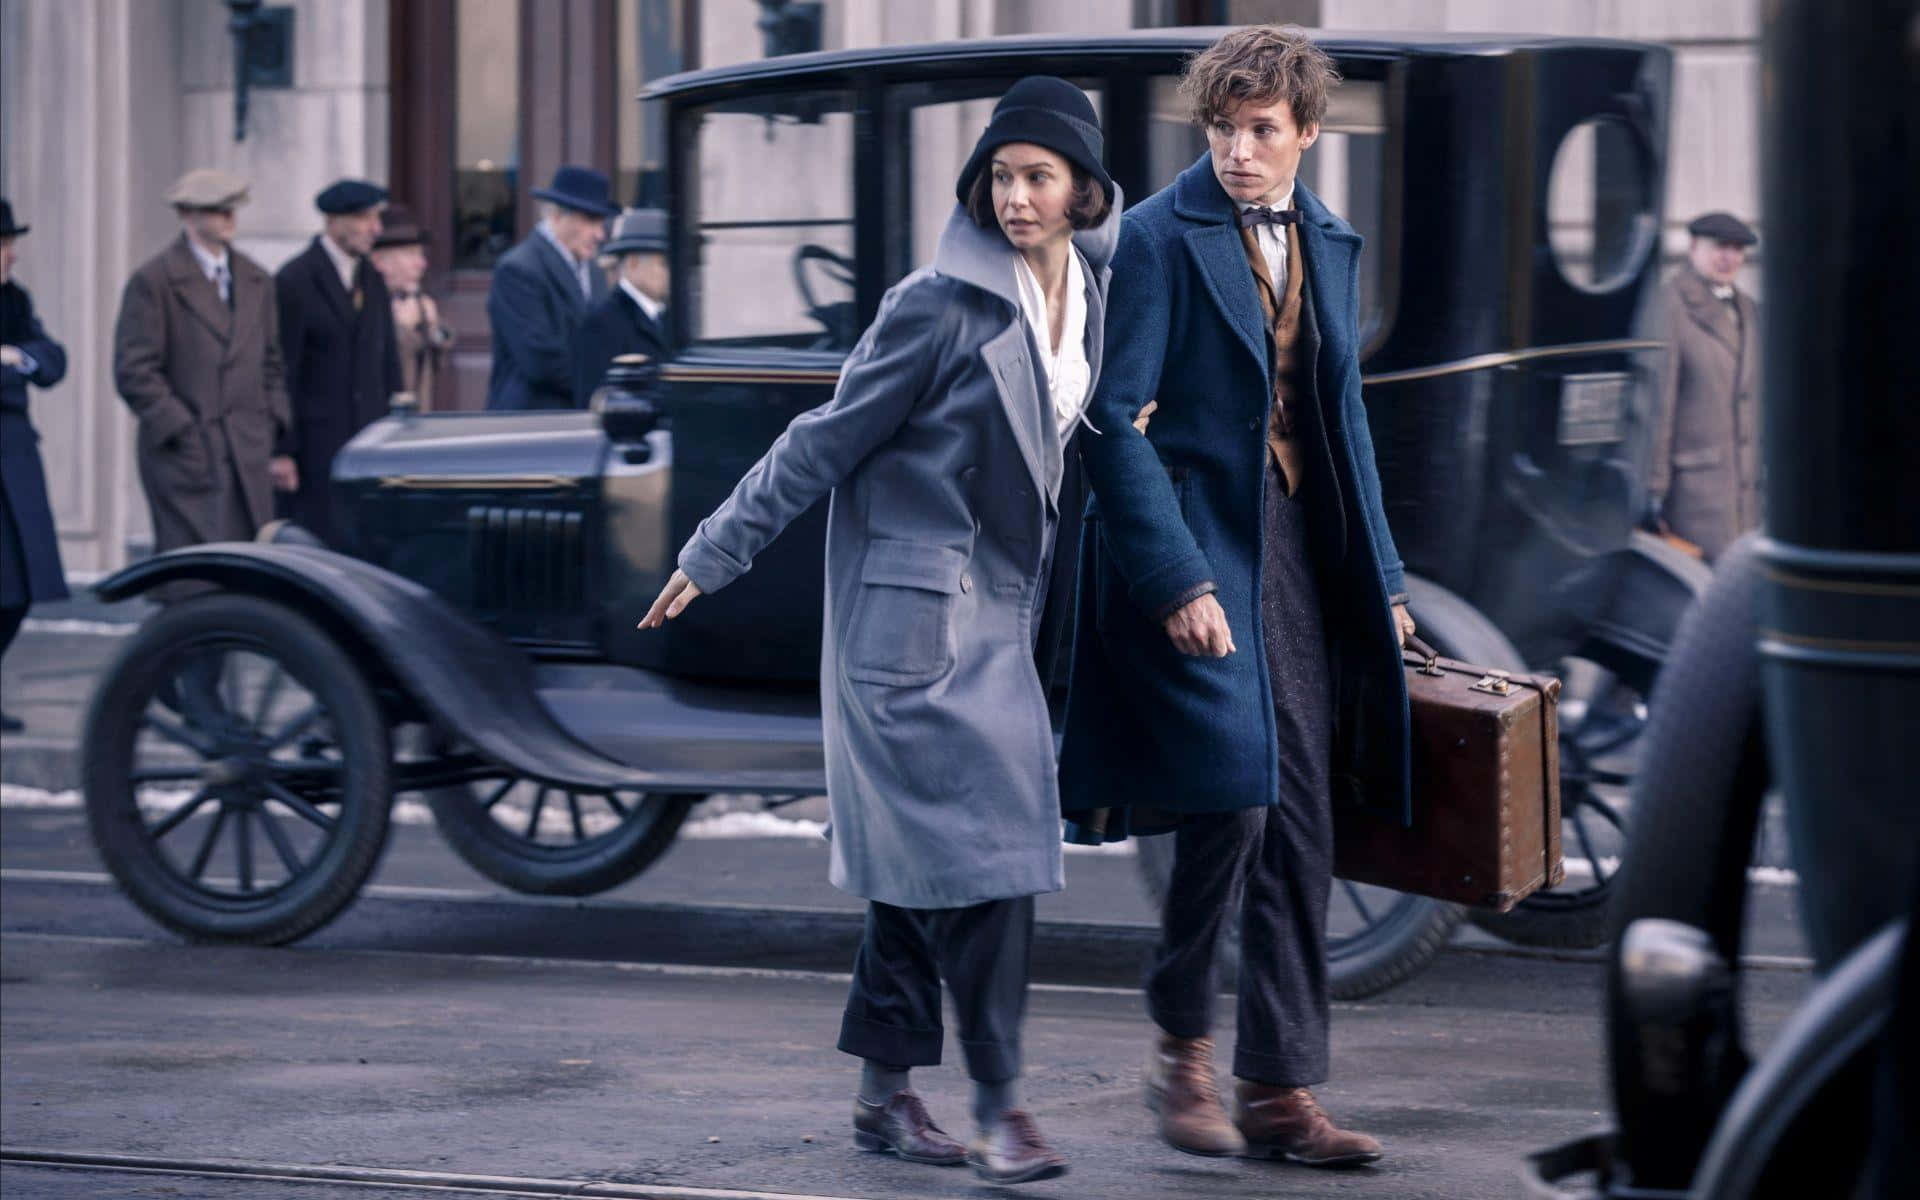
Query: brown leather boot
{"points": [[1011, 1150], [1181, 1088], [1281, 1122], [902, 1126]]}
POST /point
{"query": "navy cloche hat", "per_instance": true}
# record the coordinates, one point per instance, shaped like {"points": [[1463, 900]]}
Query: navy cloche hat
{"points": [[1046, 111]]}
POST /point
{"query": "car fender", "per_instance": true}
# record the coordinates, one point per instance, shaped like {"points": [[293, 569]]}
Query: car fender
{"points": [[469, 679]]}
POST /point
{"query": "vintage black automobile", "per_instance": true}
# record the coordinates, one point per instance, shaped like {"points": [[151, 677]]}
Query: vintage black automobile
{"points": [[472, 637]]}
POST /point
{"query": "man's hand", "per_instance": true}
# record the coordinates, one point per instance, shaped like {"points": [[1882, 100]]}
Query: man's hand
{"points": [[1403, 622], [1200, 629], [285, 473], [672, 601], [10, 356]]}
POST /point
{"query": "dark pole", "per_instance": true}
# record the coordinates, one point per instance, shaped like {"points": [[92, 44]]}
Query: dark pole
{"points": [[240, 26]]}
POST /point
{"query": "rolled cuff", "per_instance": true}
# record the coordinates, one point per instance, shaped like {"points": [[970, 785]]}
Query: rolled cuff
{"points": [[1399, 598], [1167, 587], [1205, 587], [710, 567]]}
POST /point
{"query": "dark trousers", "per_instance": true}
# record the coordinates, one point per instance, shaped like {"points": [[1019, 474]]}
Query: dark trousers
{"points": [[1276, 862], [982, 951], [10, 621]]}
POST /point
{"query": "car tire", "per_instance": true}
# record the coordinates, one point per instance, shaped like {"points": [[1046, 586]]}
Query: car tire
{"points": [[472, 820]]}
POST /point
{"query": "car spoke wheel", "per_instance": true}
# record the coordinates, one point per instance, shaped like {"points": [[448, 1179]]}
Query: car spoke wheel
{"points": [[549, 840], [236, 772]]}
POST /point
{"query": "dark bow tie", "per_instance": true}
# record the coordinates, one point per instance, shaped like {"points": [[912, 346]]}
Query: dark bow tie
{"points": [[1249, 217]]}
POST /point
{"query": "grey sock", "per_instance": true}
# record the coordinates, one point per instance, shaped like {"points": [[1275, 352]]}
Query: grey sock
{"points": [[992, 1099], [879, 1081]]}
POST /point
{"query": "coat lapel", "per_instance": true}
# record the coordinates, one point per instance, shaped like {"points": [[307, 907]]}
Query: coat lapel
{"points": [[326, 281], [249, 290], [1330, 252], [1217, 251], [560, 271], [1710, 313], [196, 293]]}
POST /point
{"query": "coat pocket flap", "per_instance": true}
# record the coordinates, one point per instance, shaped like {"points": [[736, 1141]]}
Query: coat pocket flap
{"points": [[915, 565], [1708, 456]]}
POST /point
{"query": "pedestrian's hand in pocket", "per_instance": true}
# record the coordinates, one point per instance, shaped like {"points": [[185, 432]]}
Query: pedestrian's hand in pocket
{"points": [[1200, 629], [285, 473], [672, 601]]}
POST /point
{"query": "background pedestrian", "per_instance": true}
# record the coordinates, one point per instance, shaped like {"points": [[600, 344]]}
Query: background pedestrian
{"points": [[1705, 482], [196, 356], [543, 287], [336, 330], [632, 317], [422, 338], [30, 571]]}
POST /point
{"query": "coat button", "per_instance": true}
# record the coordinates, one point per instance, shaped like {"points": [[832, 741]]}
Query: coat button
{"points": [[1253, 424], [966, 582]]}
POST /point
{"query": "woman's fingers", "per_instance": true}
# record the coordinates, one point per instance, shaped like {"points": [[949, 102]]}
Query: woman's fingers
{"points": [[671, 602]]}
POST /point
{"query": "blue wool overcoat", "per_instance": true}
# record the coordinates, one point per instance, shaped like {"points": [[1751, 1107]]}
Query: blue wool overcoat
{"points": [[1152, 731]]}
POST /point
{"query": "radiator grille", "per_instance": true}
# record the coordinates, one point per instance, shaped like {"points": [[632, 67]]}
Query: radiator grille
{"points": [[525, 559]]}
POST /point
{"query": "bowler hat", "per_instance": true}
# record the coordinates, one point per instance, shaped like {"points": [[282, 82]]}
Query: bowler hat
{"points": [[7, 227], [349, 196], [638, 231], [582, 189], [208, 187], [398, 228], [1049, 112], [1723, 227]]}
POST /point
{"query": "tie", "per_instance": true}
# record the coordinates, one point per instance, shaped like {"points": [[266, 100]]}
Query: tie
{"points": [[1269, 216], [223, 279]]}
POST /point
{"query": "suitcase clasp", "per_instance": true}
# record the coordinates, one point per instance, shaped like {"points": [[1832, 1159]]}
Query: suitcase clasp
{"points": [[1494, 682]]}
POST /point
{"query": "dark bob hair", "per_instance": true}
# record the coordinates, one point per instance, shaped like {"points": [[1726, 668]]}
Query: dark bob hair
{"points": [[1088, 209]]}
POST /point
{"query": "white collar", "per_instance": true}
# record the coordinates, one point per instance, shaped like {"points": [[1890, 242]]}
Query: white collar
{"points": [[1066, 369], [209, 264], [344, 264], [648, 305], [1286, 202]]}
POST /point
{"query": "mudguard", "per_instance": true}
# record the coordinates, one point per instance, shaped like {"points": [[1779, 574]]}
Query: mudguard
{"points": [[468, 678]]}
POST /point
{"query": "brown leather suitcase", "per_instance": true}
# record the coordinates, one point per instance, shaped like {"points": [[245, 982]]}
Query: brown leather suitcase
{"points": [[1486, 791]]}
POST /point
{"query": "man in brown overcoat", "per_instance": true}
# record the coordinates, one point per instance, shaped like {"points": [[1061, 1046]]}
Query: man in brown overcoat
{"points": [[196, 356], [1705, 481]]}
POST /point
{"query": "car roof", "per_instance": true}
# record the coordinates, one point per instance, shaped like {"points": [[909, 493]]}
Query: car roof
{"points": [[1010, 50]]}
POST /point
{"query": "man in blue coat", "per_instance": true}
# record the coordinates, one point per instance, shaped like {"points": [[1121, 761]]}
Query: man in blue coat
{"points": [[1237, 664], [632, 319], [542, 289], [30, 570]]}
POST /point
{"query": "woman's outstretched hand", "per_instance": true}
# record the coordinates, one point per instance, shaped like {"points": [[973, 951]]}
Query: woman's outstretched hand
{"points": [[672, 601]]}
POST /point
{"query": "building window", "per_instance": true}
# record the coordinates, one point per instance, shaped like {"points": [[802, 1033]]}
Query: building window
{"points": [[486, 129], [770, 212]]}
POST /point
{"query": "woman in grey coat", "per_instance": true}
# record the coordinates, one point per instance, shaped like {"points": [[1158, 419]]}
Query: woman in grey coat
{"points": [[943, 447]]}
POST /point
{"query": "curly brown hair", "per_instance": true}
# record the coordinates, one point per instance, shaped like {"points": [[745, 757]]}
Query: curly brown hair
{"points": [[1087, 210], [1261, 64]]}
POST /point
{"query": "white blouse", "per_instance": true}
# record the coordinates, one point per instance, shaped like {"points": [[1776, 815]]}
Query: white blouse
{"points": [[1068, 373]]}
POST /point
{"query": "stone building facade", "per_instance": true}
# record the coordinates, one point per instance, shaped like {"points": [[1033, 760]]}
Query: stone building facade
{"points": [[463, 106]]}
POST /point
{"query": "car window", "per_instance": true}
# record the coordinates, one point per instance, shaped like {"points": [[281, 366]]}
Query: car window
{"points": [[932, 128], [1345, 168], [770, 215]]}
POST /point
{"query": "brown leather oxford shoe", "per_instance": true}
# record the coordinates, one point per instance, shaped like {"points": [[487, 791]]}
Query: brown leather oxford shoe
{"points": [[1289, 1123], [1183, 1093], [903, 1127], [1011, 1150]]}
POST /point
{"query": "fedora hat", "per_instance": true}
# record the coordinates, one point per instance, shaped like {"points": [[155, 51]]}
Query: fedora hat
{"points": [[638, 231], [582, 189], [7, 227], [398, 228]]}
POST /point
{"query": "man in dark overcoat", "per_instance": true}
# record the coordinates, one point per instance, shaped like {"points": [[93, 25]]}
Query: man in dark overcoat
{"points": [[543, 287], [1705, 482], [632, 318], [1241, 596], [30, 571], [336, 330], [196, 356]]}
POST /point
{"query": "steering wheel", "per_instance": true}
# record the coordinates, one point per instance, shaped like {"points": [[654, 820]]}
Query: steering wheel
{"points": [[835, 316]]}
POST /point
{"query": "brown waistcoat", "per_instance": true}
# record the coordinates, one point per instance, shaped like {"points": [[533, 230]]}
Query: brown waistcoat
{"points": [[1290, 385]]}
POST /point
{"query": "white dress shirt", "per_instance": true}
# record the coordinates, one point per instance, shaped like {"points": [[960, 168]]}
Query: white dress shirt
{"points": [[217, 270], [1067, 370], [648, 305], [344, 263], [1272, 240]]}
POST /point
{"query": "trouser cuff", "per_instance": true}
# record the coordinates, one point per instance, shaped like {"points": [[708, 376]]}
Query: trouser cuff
{"points": [[1280, 1070], [1182, 1022], [896, 1045], [991, 1062]]}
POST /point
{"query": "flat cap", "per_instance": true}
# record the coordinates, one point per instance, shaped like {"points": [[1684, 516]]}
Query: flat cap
{"points": [[1722, 227], [208, 187], [637, 231], [349, 196]]}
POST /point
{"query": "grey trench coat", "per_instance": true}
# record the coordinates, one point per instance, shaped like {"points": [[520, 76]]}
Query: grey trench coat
{"points": [[944, 460], [206, 383], [1706, 441]]}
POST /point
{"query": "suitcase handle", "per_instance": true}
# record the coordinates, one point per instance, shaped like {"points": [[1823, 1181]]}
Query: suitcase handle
{"points": [[1419, 646]]}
